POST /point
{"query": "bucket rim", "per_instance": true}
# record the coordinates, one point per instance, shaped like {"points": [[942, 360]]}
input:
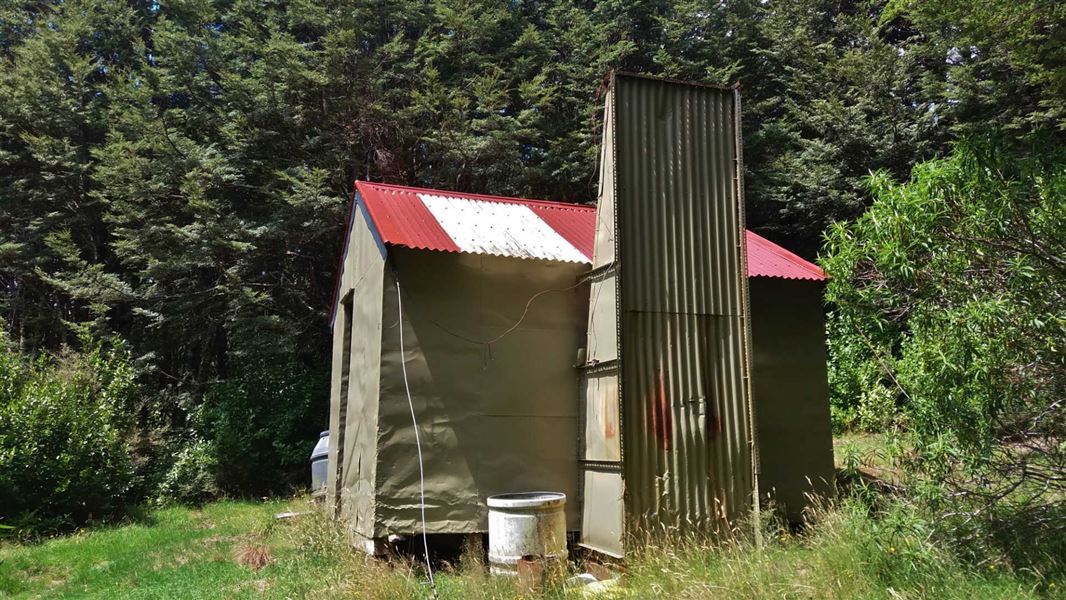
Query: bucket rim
{"points": [[527, 500]]}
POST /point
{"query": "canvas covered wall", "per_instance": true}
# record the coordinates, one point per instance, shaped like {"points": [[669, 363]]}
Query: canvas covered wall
{"points": [[493, 418], [791, 391], [355, 377]]}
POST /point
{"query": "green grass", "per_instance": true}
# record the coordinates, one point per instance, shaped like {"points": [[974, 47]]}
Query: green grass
{"points": [[872, 454], [845, 555], [188, 553], [175, 553]]}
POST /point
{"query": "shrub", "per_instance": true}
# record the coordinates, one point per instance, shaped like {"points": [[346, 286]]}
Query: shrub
{"points": [[950, 319], [850, 550], [262, 425], [192, 477], [63, 451]]}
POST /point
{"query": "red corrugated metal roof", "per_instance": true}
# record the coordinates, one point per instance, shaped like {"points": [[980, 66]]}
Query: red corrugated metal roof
{"points": [[767, 259], [458, 222], [403, 218]]}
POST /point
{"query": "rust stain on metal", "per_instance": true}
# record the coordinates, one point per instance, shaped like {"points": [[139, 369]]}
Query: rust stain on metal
{"points": [[714, 424], [610, 429], [659, 412]]}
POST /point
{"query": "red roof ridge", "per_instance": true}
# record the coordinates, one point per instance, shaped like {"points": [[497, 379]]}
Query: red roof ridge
{"points": [[407, 222]]}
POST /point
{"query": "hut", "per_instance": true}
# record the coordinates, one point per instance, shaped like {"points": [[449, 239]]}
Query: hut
{"points": [[465, 314], [462, 314]]}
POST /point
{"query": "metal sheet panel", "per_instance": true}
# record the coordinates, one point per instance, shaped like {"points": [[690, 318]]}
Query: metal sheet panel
{"points": [[499, 228], [602, 344], [687, 453], [603, 489], [602, 431], [606, 226], [767, 259], [671, 198], [603, 517], [572, 221], [677, 199], [402, 219], [460, 222]]}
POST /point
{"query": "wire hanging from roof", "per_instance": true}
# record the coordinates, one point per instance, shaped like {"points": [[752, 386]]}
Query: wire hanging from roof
{"points": [[418, 443]]}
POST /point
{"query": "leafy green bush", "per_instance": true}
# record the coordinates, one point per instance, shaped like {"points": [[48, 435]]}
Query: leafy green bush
{"points": [[262, 425], [250, 434], [63, 425], [950, 324], [192, 477]]}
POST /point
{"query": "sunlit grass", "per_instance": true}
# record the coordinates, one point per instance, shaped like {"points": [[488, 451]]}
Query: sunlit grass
{"points": [[239, 550], [174, 553], [843, 554]]}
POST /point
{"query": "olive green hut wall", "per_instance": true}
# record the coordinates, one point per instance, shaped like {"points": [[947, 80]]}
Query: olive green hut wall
{"points": [[492, 417], [356, 376], [791, 392]]}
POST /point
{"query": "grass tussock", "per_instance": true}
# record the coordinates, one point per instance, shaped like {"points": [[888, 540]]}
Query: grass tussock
{"points": [[844, 552], [254, 556]]}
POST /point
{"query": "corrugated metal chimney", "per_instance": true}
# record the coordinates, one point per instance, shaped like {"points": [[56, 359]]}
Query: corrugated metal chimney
{"points": [[668, 417]]}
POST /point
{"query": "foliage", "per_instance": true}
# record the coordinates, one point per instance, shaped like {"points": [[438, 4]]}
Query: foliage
{"points": [[952, 289], [192, 477], [261, 426], [63, 425], [177, 173], [851, 550], [1007, 60], [252, 435]]}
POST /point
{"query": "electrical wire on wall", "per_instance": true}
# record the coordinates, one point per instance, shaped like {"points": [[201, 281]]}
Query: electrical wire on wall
{"points": [[525, 312], [418, 442]]}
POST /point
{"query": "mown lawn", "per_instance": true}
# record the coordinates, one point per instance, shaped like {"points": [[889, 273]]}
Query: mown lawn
{"points": [[238, 550], [173, 553]]}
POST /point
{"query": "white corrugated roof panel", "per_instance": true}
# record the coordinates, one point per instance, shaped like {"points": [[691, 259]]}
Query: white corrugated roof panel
{"points": [[504, 229]]}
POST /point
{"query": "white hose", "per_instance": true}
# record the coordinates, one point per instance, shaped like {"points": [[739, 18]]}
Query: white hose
{"points": [[418, 443]]}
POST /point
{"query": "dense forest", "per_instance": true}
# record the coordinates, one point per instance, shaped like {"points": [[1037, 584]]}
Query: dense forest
{"points": [[174, 178]]}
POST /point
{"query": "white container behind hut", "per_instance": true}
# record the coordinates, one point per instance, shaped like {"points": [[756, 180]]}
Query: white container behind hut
{"points": [[319, 463], [526, 524]]}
